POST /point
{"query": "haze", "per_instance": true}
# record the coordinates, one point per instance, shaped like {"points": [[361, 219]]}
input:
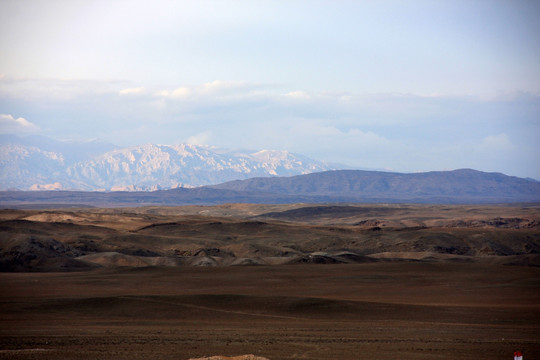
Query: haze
{"points": [[404, 86]]}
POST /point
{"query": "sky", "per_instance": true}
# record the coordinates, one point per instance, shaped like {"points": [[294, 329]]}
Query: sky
{"points": [[403, 86]]}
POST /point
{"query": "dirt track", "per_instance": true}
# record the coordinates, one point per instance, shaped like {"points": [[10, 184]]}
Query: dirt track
{"points": [[383, 311]]}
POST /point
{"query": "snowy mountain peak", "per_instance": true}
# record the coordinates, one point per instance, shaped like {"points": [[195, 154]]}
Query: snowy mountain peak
{"points": [[145, 167], [272, 155]]}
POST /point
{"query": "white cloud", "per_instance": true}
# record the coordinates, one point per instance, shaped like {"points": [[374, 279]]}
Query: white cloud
{"points": [[179, 93], [10, 125], [219, 85], [132, 91], [300, 95], [330, 132], [35, 90], [217, 90], [203, 138], [496, 143]]}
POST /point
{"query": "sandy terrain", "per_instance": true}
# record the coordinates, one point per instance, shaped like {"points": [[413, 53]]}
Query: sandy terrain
{"points": [[360, 311], [240, 357]]}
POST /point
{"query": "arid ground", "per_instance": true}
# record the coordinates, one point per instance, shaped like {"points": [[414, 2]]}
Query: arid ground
{"points": [[336, 282]]}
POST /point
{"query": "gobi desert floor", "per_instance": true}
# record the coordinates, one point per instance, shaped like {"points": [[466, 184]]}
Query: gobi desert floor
{"points": [[388, 284]]}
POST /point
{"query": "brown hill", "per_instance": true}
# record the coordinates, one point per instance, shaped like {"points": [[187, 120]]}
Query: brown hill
{"points": [[194, 236]]}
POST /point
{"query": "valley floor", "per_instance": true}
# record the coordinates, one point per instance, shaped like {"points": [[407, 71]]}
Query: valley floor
{"points": [[398, 310]]}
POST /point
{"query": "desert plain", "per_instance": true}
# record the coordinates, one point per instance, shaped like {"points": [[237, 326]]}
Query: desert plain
{"points": [[345, 281]]}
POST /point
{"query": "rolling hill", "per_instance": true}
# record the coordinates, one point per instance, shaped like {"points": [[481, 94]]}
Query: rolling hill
{"points": [[249, 234]]}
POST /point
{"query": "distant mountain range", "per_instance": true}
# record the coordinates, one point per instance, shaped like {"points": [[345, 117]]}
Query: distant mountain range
{"points": [[40, 163], [458, 186], [341, 186], [165, 174]]}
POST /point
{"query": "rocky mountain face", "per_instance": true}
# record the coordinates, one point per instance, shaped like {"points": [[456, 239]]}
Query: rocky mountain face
{"points": [[43, 164], [28, 165]]}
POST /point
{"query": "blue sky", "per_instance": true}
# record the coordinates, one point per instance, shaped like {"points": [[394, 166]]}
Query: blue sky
{"points": [[398, 85]]}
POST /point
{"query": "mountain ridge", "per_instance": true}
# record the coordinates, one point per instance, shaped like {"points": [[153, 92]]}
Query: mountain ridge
{"points": [[39, 163], [463, 186], [358, 184]]}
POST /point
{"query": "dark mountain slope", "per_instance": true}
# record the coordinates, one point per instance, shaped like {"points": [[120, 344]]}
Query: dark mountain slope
{"points": [[438, 186]]}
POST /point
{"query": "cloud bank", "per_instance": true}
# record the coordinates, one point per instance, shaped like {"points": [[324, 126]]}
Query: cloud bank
{"points": [[394, 131]]}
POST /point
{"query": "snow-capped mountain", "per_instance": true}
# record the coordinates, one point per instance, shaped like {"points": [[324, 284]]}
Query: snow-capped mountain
{"points": [[144, 167], [19, 164]]}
